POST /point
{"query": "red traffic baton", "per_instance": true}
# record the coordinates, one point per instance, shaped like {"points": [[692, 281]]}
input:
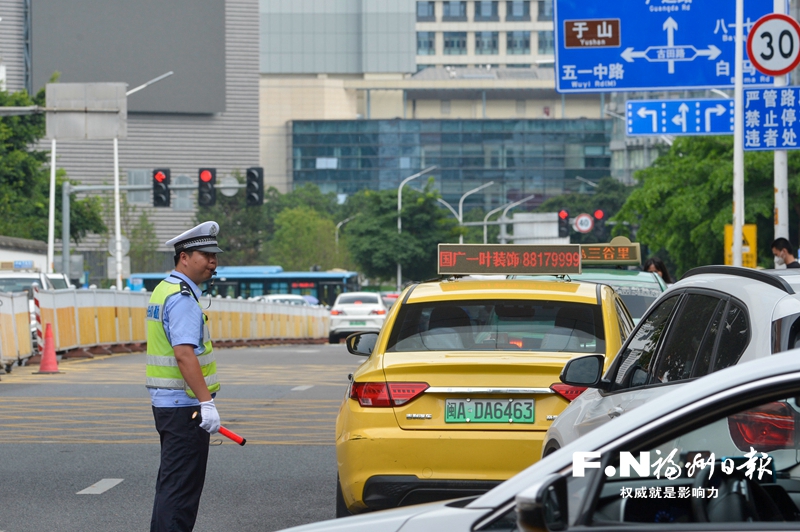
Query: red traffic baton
{"points": [[232, 436]]}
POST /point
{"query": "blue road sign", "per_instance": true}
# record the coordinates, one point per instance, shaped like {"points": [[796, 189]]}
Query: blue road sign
{"points": [[626, 45], [679, 117], [771, 119]]}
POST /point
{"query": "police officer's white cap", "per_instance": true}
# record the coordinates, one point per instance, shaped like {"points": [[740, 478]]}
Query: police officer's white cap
{"points": [[201, 237]]}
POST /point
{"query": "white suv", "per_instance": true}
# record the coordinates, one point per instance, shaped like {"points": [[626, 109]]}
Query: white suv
{"points": [[715, 317], [356, 312]]}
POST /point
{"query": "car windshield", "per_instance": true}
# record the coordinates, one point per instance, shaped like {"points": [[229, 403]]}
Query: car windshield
{"points": [[637, 298], [511, 325], [357, 300], [15, 284]]}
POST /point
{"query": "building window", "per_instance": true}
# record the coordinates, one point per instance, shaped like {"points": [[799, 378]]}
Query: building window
{"points": [[426, 43], [546, 43], [486, 11], [545, 10], [519, 42], [486, 42], [425, 12], [445, 105], [139, 177], [454, 11], [518, 11], [521, 108], [183, 198], [455, 43]]}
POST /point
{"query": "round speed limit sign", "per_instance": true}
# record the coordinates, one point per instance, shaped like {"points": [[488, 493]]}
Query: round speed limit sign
{"points": [[773, 44], [584, 223]]}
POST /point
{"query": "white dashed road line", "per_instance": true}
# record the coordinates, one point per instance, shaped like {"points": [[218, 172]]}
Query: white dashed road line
{"points": [[302, 388], [100, 487]]}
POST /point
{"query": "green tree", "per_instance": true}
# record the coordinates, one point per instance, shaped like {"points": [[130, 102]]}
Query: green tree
{"points": [[303, 238], [377, 248], [685, 200], [609, 196], [25, 178]]}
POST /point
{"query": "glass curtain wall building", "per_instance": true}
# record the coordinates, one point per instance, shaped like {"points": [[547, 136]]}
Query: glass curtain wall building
{"points": [[522, 157]]}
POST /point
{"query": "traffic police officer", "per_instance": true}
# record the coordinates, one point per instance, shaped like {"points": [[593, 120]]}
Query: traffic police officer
{"points": [[182, 376]]}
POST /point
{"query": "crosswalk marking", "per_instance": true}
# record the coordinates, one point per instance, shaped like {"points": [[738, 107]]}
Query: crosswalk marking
{"points": [[101, 486]]}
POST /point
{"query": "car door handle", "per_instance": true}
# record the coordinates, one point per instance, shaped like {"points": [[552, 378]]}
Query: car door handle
{"points": [[615, 412]]}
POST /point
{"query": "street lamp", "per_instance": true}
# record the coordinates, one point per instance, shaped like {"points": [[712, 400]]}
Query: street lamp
{"points": [[505, 212], [338, 226], [461, 205], [443, 202], [399, 220]]}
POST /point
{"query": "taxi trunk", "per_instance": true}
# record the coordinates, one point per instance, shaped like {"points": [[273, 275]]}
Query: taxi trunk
{"points": [[474, 391]]}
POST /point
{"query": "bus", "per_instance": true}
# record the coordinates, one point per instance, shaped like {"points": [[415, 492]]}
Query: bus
{"points": [[254, 281]]}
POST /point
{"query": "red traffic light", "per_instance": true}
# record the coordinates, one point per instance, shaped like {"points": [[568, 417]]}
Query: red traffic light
{"points": [[205, 176], [563, 214], [598, 214], [159, 176]]}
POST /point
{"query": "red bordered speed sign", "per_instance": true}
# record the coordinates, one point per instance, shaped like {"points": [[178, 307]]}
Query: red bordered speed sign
{"points": [[584, 223], [773, 44]]}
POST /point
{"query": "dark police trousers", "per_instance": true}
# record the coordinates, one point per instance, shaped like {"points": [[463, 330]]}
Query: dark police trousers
{"points": [[184, 454]]}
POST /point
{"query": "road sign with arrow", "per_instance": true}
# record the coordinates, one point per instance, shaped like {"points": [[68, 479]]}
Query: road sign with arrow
{"points": [[650, 44], [679, 117]]}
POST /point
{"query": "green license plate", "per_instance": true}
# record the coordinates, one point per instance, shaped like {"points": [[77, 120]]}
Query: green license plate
{"points": [[357, 323], [488, 411]]}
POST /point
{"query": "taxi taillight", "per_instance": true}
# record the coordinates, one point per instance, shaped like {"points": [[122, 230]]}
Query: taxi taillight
{"points": [[382, 394], [567, 391]]}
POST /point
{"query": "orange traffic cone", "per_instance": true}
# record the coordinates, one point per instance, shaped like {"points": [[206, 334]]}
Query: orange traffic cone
{"points": [[49, 364]]}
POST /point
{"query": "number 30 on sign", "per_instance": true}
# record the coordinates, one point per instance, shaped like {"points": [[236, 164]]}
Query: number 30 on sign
{"points": [[773, 44]]}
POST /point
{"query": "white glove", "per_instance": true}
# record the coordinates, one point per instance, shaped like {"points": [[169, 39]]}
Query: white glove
{"points": [[209, 417]]}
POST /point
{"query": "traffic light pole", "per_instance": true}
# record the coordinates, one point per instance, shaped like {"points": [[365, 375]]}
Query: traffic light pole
{"points": [[68, 189]]}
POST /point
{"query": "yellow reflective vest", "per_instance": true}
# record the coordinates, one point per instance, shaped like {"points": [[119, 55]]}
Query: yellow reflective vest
{"points": [[162, 366]]}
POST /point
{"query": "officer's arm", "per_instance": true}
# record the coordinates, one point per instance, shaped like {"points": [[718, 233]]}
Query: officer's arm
{"points": [[190, 369]]}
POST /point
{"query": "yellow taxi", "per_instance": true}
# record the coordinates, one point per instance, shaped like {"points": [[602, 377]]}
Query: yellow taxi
{"points": [[462, 382]]}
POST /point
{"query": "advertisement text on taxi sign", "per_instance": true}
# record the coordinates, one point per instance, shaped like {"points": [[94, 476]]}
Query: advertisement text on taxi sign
{"points": [[506, 259]]}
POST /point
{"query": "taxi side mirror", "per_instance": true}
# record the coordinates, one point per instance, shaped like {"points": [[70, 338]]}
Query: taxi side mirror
{"points": [[583, 371], [361, 344], [543, 508]]}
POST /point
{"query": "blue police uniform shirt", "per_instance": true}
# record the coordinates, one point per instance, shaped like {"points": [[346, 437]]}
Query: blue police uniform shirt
{"points": [[183, 323]]}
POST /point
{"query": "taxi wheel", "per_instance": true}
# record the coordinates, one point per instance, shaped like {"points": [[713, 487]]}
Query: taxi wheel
{"points": [[341, 507]]}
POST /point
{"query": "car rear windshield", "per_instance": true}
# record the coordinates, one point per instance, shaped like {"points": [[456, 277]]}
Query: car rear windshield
{"points": [[637, 298], [511, 325], [357, 300], [11, 284]]}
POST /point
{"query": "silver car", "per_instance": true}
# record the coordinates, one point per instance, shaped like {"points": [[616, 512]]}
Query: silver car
{"points": [[356, 312], [605, 481], [715, 317]]}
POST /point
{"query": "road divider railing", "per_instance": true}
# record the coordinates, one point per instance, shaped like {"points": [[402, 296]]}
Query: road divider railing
{"points": [[88, 322]]}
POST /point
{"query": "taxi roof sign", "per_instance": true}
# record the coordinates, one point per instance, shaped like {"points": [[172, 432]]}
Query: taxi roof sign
{"points": [[507, 259], [620, 251]]}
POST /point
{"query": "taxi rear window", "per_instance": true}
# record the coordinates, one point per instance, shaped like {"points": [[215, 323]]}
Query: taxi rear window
{"points": [[505, 325]]}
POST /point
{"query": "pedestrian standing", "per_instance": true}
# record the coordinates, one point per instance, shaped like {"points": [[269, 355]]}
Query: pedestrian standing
{"points": [[182, 379], [657, 266], [784, 253]]}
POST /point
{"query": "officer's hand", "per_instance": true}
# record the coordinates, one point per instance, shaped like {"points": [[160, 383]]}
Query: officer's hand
{"points": [[209, 417]]}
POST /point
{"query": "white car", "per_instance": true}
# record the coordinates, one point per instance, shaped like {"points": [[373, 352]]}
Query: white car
{"points": [[715, 317], [285, 299], [590, 484], [356, 312]]}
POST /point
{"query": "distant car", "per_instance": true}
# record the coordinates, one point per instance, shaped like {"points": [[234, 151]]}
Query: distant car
{"points": [[284, 299], [637, 289], [389, 298], [356, 312]]}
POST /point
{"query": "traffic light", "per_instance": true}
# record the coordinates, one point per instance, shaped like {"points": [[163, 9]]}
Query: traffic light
{"points": [[206, 187], [255, 186], [161, 187], [599, 222], [563, 223]]}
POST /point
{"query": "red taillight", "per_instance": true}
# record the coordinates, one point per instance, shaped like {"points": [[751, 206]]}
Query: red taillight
{"points": [[765, 428], [336, 312], [381, 394], [567, 391], [381, 311]]}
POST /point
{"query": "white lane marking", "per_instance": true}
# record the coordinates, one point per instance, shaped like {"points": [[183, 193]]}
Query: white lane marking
{"points": [[100, 487], [302, 388], [307, 351]]}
